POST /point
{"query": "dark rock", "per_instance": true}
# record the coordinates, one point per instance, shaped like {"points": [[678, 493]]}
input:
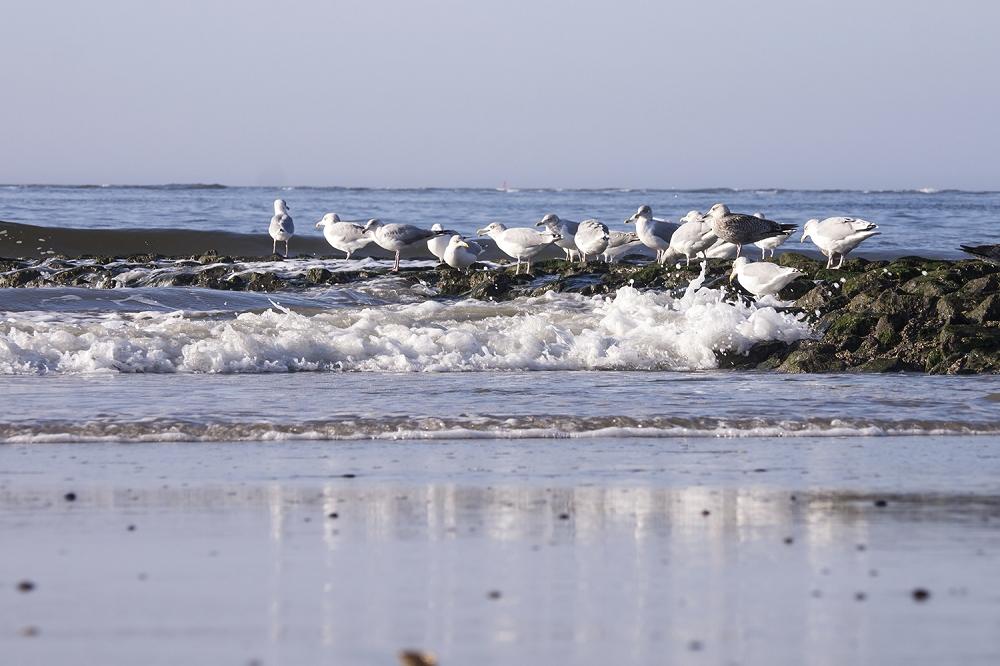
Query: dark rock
{"points": [[25, 586], [70, 497], [920, 594], [266, 281], [812, 356], [988, 310]]}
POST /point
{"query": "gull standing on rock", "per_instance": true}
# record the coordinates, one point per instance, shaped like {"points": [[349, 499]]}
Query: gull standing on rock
{"points": [[741, 229], [693, 236], [764, 278], [438, 244], [566, 230], [654, 233], [591, 237], [460, 253], [395, 237], [837, 236], [990, 253], [282, 228], [344, 236], [618, 239], [770, 243], [521, 243]]}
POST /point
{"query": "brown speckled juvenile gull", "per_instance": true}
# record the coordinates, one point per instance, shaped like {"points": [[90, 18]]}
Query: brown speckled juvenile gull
{"points": [[740, 229]]}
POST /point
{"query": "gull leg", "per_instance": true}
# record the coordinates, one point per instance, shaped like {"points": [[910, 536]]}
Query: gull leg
{"points": [[687, 261], [286, 249], [395, 264], [841, 262], [274, 246], [829, 260], [763, 253], [348, 255], [739, 249]]}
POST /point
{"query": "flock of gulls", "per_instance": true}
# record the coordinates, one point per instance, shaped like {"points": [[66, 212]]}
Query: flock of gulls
{"points": [[718, 233]]}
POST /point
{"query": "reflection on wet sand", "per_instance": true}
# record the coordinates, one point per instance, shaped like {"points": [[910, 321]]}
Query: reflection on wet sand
{"points": [[585, 573]]}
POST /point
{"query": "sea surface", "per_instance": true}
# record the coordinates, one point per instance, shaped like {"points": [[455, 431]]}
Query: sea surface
{"points": [[925, 222]]}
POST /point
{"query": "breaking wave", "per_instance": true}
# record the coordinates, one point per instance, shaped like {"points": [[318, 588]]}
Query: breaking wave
{"points": [[630, 330]]}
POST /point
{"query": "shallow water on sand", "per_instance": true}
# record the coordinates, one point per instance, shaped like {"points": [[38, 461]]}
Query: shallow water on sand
{"points": [[491, 405], [625, 551]]}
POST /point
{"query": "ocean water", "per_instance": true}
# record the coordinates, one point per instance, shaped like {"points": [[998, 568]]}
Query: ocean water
{"points": [[627, 362], [924, 222]]}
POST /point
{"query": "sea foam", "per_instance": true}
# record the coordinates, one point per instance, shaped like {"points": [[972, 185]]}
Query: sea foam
{"points": [[632, 329]]}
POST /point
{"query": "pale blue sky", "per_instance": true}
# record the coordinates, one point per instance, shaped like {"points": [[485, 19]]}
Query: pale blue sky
{"points": [[781, 93]]}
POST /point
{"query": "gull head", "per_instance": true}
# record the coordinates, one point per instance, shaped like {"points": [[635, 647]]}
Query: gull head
{"points": [[718, 210], [280, 206], [550, 218], [738, 265], [807, 229], [373, 224], [329, 218], [491, 228], [457, 241], [759, 215], [437, 227], [643, 211], [692, 216]]}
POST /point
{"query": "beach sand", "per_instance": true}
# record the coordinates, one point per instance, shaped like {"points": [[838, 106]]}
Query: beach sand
{"points": [[715, 551]]}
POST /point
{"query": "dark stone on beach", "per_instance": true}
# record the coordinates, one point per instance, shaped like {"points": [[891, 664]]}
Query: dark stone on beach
{"points": [[25, 586], [706, 512], [920, 594], [812, 356], [70, 497], [880, 503], [29, 632], [333, 516], [349, 475], [130, 528], [493, 594], [789, 541], [263, 282], [860, 596], [563, 516]]}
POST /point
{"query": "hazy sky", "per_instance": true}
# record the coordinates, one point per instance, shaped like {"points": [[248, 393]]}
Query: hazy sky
{"points": [[780, 93]]}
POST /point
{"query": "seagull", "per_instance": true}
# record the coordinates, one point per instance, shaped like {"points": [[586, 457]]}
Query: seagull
{"points": [[618, 239], [742, 229], [282, 228], [394, 237], [770, 243], [693, 236], [460, 253], [437, 244], [521, 243], [565, 229], [837, 236], [654, 233], [344, 236], [762, 279], [591, 237], [990, 253]]}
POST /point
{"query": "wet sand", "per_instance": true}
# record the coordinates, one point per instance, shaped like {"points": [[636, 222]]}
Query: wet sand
{"points": [[716, 551]]}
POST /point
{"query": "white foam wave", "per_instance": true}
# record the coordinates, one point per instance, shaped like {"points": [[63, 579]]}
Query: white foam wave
{"points": [[629, 330]]}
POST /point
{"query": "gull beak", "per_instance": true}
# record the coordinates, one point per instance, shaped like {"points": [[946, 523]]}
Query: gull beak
{"points": [[480, 232], [539, 223], [732, 276], [462, 243], [630, 220], [319, 224]]}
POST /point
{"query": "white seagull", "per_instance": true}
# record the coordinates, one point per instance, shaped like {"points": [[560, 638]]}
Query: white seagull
{"points": [[566, 230], [282, 228], [772, 242], [838, 236], [763, 278], [618, 244], [437, 244], [344, 236], [654, 233], [591, 237], [395, 237], [460, 253], [521, 243], [693, 236]]}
